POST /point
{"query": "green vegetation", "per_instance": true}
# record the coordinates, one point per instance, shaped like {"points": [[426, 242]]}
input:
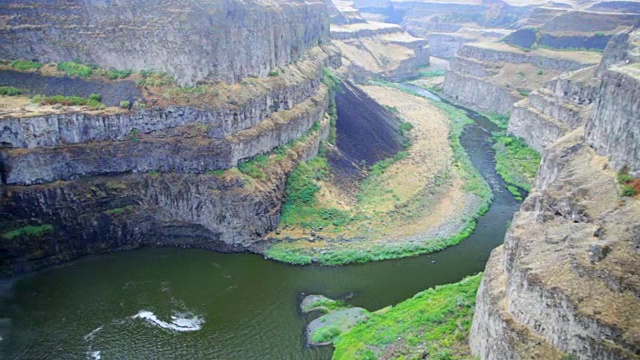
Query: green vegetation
{"points": [[516, 162], [118, 74], [150, 78], [274, 73], [501, 120], [325, 305], [432, 324], [405, 128], [333, 83], [93, 101], [628, 185], [393, 109], [325, 334], [432, 74], [120, 211], [25, 65], [9, 91], [254, 167], [72, 68], [307, 214], [540, 72], [125, 104], [524, 92], [29, 231]]}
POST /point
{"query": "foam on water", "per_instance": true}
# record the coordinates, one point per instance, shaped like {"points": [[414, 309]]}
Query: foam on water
{"points": [[179, 321], [90, 335]]}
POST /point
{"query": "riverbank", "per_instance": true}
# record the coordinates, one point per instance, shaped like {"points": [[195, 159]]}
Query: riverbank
{"points": [[405, 206]]}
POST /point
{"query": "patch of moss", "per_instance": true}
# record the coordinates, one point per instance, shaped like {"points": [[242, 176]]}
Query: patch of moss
{"points": [[30, 231]]}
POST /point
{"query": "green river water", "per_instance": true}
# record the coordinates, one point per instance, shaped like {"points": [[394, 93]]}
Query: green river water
{"points": [[195, 304]]}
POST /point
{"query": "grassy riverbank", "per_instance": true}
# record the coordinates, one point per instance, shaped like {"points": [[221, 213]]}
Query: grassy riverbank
{"points": [[427, 185], [434, 323], [516, 162]]}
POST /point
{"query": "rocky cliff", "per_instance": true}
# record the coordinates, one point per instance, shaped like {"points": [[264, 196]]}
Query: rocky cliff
{"points": [[372, 49], [202, 166], [491, 77], [566, 282], [227, 40]]}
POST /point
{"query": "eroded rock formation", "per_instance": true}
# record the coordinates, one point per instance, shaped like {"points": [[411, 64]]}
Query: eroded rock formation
{"points": [[163, 170], [567, 280], [220, 40]]}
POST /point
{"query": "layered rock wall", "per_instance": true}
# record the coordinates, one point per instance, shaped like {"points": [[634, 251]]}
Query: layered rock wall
{"points": [[567, 279], [166, 170], [228, 40], [491, 77]]}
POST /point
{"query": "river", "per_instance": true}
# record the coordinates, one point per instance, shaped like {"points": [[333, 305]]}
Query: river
{"points": [[187, 304]]}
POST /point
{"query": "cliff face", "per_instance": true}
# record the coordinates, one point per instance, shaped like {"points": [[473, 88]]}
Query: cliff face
{"points": [[492, 76], [567, 279], [228, 40], [166, 170], [372, 49]]}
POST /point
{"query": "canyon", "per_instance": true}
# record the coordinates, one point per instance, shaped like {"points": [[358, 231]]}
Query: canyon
{"points": [[320, 133]]}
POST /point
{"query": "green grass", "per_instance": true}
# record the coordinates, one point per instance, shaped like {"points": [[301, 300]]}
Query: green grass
{"points": [[435, 322], [628, 185], [432, 74], [298, 213], [76, 69], [254, 167], [325, 334], [501, 120], [333, 83], [93, 101], [118, 74], [125, 104], [25, 65], [30, 231], [9, 91], [516, 162]]}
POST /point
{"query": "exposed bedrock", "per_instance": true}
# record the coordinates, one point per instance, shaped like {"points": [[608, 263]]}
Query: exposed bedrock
{"points": [[220, 40], [478, 94], [225, 212], [187, 149], [491, 77], [567, 279], [614, 127], [550, 112], [569, 274]]}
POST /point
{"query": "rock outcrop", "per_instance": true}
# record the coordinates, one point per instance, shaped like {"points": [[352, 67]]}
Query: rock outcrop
{"points": [[491, 77], [567, 279], [227, 40], [202, 166], [372, 49]]}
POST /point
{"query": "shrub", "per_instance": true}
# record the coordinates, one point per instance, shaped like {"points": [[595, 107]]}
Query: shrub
{"points": [[325, 334], [540, 72], [92, 102], [404, 128], [25, 65], [75, 69], [9, 91], [125, 104], [95, 97], [274, 73], [118, 74]]}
